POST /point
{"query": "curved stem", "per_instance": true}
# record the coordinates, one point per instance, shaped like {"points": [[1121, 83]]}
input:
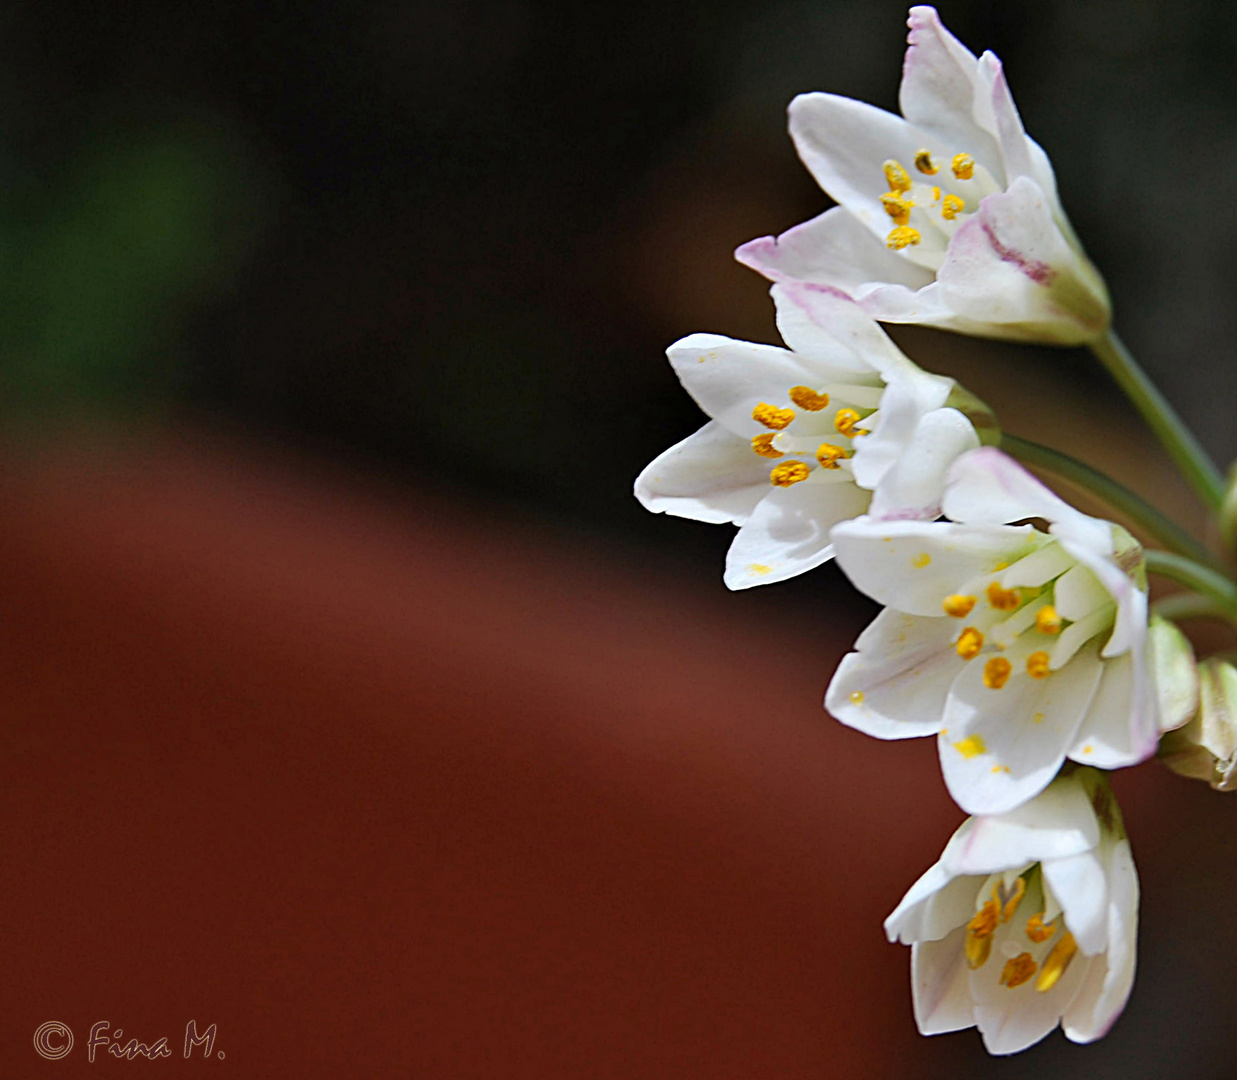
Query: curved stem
{"points": [[1187, 454], [1186, 605], [1119, 497], [1201, 579]]}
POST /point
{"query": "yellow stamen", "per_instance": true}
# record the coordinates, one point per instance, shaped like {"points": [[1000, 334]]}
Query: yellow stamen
{"points": [[958, 606], [1058, 960], [969, 644], [1037, 665], [952, 207], [856, 697], [1011, 905], [902, 237], [923, 162], [845, 422], [1037, 931], [828, 455], [971, 746], [773, 417], [897, 207], [936, 194], [1003, 599], [807, 398], [1047, 621], [979, 935], [996, 673], [896, 176], [1018, 970], [977, 950], [763, 445], [921, 560], [963, 166], [788, 473]]}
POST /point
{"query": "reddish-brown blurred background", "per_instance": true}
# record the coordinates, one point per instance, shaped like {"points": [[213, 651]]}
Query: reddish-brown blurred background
{"points": [[353, 705]]}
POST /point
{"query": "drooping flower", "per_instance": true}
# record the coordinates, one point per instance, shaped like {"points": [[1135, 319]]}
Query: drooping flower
{"points": [[838, 424], [947, 218], [1029, 919], [1017, 647]]}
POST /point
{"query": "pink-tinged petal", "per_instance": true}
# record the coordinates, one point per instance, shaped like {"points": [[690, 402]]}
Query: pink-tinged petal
{"points": [[940, 87], [914, 484], [912, 566], [988, 486], [941, 985], [1106, 991], [920, 307], [1058, 824], [711, 475], [836, 249], [1015, 152], [845, 144], [895, 684], [788, 532], [1009, 264]]}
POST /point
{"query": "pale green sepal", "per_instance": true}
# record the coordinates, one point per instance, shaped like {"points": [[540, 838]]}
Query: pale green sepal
{"points": [[1206, 748], [1170, 660]]}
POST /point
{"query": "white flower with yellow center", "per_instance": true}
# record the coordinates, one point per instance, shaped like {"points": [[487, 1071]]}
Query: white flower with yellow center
{"points": [[947, 218], [1028, 920], [1017, 647], [839, 424]]}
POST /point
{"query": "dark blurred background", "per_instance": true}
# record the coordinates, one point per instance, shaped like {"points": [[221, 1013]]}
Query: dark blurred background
{"points": [[445, 244]]}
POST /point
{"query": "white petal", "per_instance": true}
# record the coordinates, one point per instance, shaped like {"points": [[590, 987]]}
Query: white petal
{"points": [[940, 85], [895, 684], [1015, 151], [1010, 264], [1081, 887], [1012, 1020], [845, 143], [893, 303], [914, 485], [913, 565], [941, 986], [711, 475], [1111, 735], [730, 378], [788, 532], [1100, 1002], [999, 748], [1057, 824], [933, 907], [834, 248]]}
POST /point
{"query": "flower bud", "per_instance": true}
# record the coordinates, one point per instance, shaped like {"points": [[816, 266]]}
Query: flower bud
{"points": [[1170, 662], [1206, 748]]}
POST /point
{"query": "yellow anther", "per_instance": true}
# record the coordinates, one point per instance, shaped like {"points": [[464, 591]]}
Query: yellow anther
{"points": [[789, 473], [897, 207], [1047, 621], [1037, 665], [845, 422], [979, 935], [902, 237], [1003, 599], [971, 746], [996, 673], [1037, 931], [921, 560], [773, 417], [969, 644], [1018, 970], [828, 455], [1015, 898], [807, 398], [856, 697], [1058, 960], [952, 207], [963, 166], [763, 445], [896, 176], [923, 162], [958, 606], [936, 194]]}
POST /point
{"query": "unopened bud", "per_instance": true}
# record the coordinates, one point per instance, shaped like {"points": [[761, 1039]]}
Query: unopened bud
{"points": [[1170, 659], [1206, 748]]}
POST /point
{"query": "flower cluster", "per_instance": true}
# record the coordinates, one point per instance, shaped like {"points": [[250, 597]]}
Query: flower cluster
{"points": [[1015, 628]]}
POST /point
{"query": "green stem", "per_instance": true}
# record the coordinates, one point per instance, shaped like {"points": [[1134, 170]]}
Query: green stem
{"points": [[1185, 450], [1186, 605], [1121, 498], [1201, 579]]}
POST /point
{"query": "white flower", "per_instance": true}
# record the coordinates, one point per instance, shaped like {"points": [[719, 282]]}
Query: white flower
{"points": [[1018, 647], [949, 217], [839, 424], [1030, 918]]}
